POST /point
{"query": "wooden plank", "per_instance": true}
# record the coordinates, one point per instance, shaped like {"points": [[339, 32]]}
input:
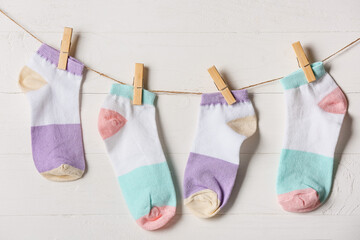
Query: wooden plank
{"points": [[227, 227], [188, 17]]}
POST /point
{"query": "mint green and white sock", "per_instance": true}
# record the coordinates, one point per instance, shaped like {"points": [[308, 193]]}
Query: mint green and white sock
{"points": [[131, 138], [315, 112]]}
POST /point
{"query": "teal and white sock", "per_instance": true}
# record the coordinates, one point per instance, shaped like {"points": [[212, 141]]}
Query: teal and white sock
{"points": [[315, 112], [131, 138]]}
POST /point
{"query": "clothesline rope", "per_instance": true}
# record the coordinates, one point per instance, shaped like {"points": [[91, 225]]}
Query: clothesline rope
{"points": [[175, 92]]}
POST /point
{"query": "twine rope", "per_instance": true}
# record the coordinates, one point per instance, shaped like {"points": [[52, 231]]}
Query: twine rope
{"points": [[177, 92]]}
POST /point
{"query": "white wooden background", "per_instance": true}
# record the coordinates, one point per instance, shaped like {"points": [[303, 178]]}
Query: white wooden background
{"points": [[249, 42]]}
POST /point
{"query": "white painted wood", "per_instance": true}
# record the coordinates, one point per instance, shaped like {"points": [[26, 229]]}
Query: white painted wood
{"points": [[189, 16], [248, 41], [252, 227]]}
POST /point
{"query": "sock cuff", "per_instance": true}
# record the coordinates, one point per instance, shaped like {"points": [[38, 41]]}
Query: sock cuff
{"points": [[297, 78], [127, 91], [74, 66], [218, 98]]}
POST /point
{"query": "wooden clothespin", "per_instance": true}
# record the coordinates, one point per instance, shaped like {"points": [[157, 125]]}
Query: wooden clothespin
{"points": [[65, 48], [221, 85], [304, 62], [138, 83]]}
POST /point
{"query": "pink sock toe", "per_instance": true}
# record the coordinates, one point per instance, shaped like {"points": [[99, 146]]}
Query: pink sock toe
{"points": [[303, 200], [157, 217]]}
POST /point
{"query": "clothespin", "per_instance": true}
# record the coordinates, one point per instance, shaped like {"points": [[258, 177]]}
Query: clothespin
{"points": [[138, 83], [221, 85], [65, 48], [304, 62]]}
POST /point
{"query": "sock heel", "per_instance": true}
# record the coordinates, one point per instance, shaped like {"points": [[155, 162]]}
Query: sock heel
{"points": [[109, 122], [334, 102], [29, 80], [245, 126]]}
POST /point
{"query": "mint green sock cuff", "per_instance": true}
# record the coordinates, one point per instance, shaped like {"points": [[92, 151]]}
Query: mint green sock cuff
{"points": [[128, 92], [297, 78]]}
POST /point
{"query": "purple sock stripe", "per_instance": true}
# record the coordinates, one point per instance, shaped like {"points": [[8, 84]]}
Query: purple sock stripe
{"points": [[205, 172], [74, 66], [218, 98], [56, 144]]}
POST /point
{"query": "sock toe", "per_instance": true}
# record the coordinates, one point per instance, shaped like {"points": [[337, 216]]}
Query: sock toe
{"points": [[157, 217], [303, 200], [203, 204], [63, 173]]}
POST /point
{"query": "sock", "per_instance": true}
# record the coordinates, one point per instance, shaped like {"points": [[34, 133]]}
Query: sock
{"points": [[315, 112], [214, 160], [132, 141], [56, 135]]}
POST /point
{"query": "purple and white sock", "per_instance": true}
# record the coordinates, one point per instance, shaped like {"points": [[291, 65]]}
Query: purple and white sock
{"points": [[214, 160], [56, 134]]}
